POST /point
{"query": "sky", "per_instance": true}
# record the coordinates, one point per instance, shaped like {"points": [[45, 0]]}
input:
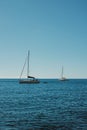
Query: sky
{"points": [[55, 32]]}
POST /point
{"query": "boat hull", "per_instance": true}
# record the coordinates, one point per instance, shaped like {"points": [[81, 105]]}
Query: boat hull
{"points": [[63, 79], [29, 81]]}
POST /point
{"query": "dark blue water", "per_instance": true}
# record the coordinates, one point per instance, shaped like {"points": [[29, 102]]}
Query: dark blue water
{"points": [[54, 105]]}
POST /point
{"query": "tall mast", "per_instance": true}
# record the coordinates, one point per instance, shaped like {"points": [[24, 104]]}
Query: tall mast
{"points": [[62, 73], [28, 63]]}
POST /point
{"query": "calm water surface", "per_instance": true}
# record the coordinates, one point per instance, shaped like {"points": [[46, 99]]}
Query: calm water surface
{"points": [[54, 105]]}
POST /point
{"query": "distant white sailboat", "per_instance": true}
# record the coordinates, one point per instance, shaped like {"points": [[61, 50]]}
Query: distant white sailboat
{"points": [[62, 75], [29, 79]]}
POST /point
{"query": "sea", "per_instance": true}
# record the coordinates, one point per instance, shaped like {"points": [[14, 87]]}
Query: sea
{"points": [[49, 105]]}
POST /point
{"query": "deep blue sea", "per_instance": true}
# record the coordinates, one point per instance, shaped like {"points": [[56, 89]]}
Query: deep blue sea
{"points": [[54, 105]]}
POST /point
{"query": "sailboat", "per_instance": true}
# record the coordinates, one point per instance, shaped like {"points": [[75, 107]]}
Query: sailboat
{"points": [[29, 79], [62, 77]]}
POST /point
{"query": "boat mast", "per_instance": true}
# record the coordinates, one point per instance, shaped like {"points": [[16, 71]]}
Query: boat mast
{"points": [[62, 73], [28, 63]]}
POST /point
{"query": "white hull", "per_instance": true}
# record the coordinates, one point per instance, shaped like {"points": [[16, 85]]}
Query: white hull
{"points": [[27, 81], [63, 79]]}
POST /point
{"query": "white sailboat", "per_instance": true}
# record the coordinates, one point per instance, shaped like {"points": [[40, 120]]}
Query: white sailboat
{"points": [[29, 79], [62, 75]]}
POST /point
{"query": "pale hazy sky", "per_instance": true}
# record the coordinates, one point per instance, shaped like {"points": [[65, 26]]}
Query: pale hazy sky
{"points": [[55, 32]]}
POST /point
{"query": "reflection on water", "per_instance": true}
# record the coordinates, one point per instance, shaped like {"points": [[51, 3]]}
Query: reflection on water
{"points": [[53, 106]]}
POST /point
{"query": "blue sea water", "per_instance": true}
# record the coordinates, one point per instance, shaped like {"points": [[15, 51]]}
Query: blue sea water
{"points": [[54, 105]]}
